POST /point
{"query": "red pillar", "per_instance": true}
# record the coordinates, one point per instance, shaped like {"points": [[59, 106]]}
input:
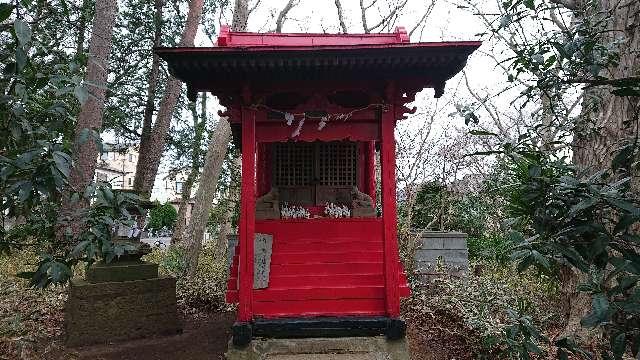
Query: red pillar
{"points": [[389, 216], [247, 215]]}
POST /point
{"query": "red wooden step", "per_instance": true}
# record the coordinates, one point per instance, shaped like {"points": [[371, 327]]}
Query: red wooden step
{"points": [[318, 280], [325, 257], [319, 293], [336, 279], [373, 267], [315, 293], [326, 280], [305, 294], [287, 240], [326, 268], [309, 308], [356, 268], [327, 246]]}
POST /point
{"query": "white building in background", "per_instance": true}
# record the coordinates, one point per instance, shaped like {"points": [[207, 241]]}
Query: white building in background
{"points": [[169, 187], [117, 166]]}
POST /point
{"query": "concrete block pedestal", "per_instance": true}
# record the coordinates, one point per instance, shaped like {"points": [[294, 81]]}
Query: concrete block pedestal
{"points": [[441, 252], [344, 348], [106, 311]]}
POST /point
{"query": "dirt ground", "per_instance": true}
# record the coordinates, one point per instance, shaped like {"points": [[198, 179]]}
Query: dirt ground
{"points": [[206, 336], [438, 338]]}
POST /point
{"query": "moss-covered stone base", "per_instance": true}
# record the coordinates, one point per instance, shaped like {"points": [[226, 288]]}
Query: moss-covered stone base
{"points": [[115, 311], [121, 271], [347, 348]]}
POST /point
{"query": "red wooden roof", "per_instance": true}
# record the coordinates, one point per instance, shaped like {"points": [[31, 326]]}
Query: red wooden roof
{"points": [[269, 60], [242, 39]]}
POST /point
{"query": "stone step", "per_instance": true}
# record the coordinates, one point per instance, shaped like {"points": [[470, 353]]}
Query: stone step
{"points": [[346, 348]]}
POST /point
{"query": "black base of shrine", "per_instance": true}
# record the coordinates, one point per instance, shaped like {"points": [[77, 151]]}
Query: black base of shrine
{"points": [[241, 334], [394, 329]]}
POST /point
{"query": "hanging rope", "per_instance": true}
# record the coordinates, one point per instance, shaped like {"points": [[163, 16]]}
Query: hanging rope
{"points": [[289, 118]]}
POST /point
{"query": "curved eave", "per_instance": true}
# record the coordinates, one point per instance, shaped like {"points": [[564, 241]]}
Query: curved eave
{"points": [[217, 69]]}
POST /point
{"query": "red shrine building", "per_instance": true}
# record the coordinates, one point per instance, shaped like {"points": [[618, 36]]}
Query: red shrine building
{"points": [[314, 115]]}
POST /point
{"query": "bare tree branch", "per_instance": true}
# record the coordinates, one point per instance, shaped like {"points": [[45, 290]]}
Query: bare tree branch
{"points": [[254, 6], [569, 4], [341, 16], [385, 19], [559, 23], [282, 17], [483, 102], [424, 17], [363, 12]]}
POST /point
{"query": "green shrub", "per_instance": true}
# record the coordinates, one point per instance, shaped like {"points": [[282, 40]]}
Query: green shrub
{"points": [[490, 304], [493, 248], [205, 291], [171, 261], [163, 215]]}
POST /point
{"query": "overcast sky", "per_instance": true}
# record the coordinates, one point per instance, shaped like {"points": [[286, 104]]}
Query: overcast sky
{"points": [[447, 22]]}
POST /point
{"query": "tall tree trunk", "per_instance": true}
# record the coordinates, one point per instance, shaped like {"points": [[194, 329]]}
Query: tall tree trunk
{"points": [[199, 124], [223, 233], [240, 15], [614, 120], [152, 147], [216, 153], [233, 197], [85, 152], [607, 121], [149, 107]]}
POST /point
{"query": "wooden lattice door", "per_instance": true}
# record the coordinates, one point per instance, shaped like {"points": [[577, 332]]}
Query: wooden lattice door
{"points": [[315, 173]]}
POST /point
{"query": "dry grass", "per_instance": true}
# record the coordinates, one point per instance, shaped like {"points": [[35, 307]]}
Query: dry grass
{"points": [[29, 318]]}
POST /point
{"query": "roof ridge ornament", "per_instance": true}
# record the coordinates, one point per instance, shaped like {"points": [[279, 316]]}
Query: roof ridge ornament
{"points": [[224, 36], [402, 35]]}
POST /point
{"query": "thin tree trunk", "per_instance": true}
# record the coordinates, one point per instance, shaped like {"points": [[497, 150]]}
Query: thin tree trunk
{"points": [[149, 107], [199, 123], [152, 146], [225, 229], [233, 197], [216, 153], [82, 28], [85, 152]]}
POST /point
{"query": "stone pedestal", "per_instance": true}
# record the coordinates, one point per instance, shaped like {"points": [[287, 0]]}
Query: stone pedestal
{"points": [[439, 253], [346, 348], [121, 301], [121, 271]]}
